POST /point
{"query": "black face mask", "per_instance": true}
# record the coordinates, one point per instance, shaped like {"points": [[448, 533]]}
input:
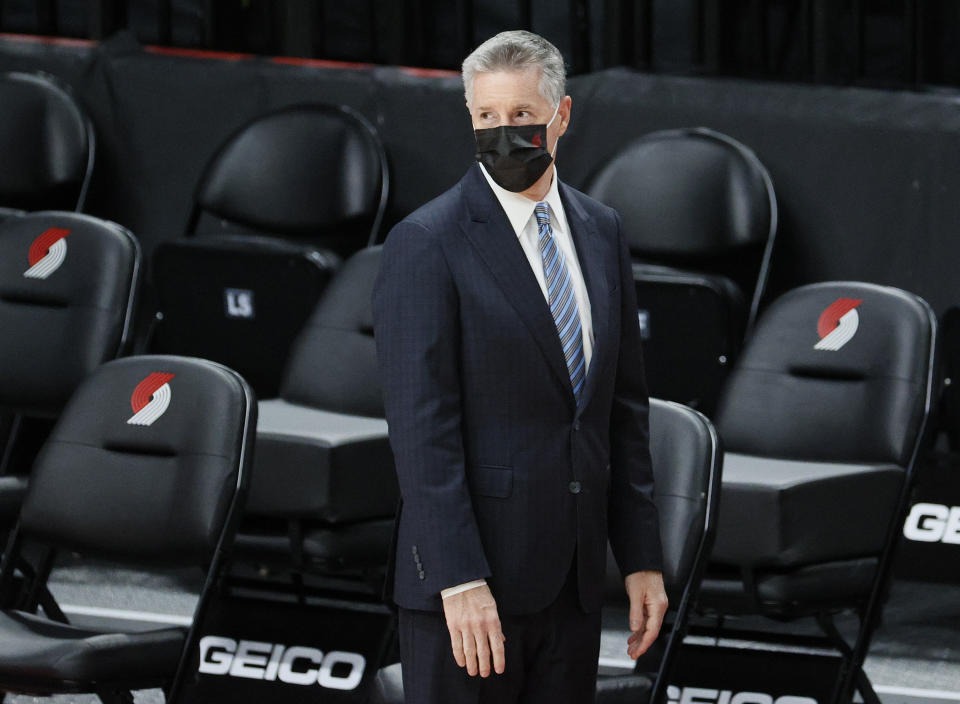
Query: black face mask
{"points": [[515, 156]]}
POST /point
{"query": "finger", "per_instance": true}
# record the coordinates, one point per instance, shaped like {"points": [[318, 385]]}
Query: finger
{"points": [[499, 654], [649, 634], [470, 652], [636, 614], [483, 653], [456, 644]]}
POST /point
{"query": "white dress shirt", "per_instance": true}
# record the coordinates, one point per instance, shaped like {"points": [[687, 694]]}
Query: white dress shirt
{"points": [[519, 210]]}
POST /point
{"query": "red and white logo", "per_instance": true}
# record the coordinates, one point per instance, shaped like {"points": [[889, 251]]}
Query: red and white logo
{"points": [[838, 324], [47, 253], [150, 399]]}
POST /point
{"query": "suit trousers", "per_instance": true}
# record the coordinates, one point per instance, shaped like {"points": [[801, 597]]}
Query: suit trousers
{"points": [[551, 657]]}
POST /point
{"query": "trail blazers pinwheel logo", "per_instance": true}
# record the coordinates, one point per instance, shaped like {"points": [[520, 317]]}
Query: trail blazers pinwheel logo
{"points": [[150, 399], [47, 253], [838, 324]]}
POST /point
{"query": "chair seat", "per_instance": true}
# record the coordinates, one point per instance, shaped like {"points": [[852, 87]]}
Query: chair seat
{"points": [[363, 545], [35, 651], [624, 689], [12, 490], [787, 514], [315, 464]]}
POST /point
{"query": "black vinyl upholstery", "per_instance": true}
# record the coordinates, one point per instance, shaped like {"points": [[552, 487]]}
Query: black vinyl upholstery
{"points": [[47, 144], [700, 217], [686, 192], [36, 649], [686, 462], [279, 204], [340, 332], [821, 436], [318, 168], [156, 494], [862, 403], [59, 328], [148, 464]]}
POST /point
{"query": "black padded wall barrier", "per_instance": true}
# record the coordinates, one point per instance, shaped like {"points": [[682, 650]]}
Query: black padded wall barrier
{"points": [[866, 179]]}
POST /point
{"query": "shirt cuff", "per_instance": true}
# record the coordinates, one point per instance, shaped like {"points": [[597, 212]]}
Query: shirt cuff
{"points": [[450, 591]]}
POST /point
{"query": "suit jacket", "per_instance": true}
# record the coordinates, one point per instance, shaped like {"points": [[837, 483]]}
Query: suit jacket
{"points": [[501, 475]]}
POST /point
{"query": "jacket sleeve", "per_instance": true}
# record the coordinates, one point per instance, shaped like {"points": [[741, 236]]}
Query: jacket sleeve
{"points": [[417, 333], [634, 527]]}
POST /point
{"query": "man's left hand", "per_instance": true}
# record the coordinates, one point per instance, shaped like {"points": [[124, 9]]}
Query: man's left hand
{"points": [[648, 604]]}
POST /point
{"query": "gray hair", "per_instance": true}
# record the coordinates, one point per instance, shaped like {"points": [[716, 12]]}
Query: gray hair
{"points": [[515, 51]]}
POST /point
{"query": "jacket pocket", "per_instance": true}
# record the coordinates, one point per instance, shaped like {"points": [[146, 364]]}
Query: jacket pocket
{"points": [[492, 480]]}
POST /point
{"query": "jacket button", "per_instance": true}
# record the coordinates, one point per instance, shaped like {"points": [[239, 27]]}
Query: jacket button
{"points": [[421, 574], [575, 487], [576, 425]]}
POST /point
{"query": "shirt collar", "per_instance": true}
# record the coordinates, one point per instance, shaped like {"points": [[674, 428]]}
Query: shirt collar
{"points": [[519, 209]]}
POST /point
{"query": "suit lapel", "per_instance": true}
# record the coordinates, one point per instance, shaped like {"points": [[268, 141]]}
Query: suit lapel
{"points": [[591, 252], [490, 233]]}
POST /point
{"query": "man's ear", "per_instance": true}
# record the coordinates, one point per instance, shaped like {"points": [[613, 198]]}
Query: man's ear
{"points": [[563, 113]]}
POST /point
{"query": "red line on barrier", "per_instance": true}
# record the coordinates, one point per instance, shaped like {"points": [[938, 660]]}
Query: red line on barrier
{"points": [[230, 56], [198, 53], [56, 41], [320, 63], [429, 72]]}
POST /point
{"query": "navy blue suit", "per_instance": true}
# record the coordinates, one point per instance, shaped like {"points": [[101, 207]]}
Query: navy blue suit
{"points": [[502, 476]]}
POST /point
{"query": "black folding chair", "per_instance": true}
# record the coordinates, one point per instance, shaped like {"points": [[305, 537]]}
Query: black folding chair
{"points": [[68, 284], [148, 465], [324, 492], [280, 203], [700, 216], [824, 420]]}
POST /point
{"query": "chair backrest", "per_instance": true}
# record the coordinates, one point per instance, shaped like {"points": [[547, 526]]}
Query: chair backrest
{"points": [[333, 364], [306, 170], [47, 143], [687, 459], [144, 462], [836, 371], [692, 192], [67, 288]]}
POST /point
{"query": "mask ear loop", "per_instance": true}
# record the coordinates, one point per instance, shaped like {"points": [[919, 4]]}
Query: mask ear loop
{"points": [[557, 143]]}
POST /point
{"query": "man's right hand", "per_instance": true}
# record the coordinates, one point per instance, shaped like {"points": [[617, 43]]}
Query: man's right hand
{"points": [[475, 633]]}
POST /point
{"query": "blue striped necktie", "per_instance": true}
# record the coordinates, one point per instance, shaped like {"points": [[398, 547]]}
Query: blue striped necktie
{"points": [[563, 304]]}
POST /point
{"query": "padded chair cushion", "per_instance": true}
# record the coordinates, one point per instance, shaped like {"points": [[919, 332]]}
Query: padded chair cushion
{"points": [[809, 587], [269, 174], [827, 582], [320, 465], [654, 180], [787, 513], [685, 454], [624, 689], [60, 322], [861, 402], [340, 332], [12, 490], [363, 545], [44, 141], [33, 647], [133, 491]]}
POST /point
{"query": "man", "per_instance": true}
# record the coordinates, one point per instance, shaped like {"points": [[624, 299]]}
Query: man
{"points": [[507, 335]]}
